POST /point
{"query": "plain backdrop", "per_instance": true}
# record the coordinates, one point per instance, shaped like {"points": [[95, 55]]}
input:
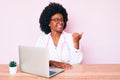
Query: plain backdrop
{"points": [[99, 20]]}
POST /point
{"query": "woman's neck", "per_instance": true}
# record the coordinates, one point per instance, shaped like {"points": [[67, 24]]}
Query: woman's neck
{"points": [[55, 34], [55, 37]]}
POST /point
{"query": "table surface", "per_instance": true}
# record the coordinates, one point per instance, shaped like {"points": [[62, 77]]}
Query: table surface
{"points": [[78, 72]]}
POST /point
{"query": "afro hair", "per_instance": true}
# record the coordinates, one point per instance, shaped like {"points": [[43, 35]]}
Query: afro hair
{"points": [[48, 12]]}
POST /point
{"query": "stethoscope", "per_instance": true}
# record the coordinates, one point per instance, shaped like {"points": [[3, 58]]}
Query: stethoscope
{"points": [[64, 43]]}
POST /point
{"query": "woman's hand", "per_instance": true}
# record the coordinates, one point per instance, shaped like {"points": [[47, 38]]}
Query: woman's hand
{"points": [[76, 38], [60, 64]]}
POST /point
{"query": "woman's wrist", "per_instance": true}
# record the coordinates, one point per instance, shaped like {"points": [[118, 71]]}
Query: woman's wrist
{"points": [[76, 45], [76, 50], [51, 63], [54, 63]]}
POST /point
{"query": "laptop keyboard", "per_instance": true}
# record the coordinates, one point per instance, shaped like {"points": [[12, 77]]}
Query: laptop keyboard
{"points": [[52, 72]]}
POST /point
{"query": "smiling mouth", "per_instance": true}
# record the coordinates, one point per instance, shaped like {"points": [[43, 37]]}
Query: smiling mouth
{"points": [[60, 26]]}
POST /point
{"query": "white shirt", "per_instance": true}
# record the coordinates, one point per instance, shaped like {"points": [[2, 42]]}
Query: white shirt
{"points": [[64, 51]]}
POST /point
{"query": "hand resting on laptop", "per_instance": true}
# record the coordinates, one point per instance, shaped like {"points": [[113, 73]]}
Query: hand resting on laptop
{"points": [[60, 64]]}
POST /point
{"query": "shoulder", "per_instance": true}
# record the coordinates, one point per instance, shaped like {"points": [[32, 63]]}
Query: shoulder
{"points": [[42, 39], [43, 36], [67, 34]]}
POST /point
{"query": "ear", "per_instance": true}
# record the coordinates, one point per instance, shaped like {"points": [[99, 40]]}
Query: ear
{"points": [[49, 25]]}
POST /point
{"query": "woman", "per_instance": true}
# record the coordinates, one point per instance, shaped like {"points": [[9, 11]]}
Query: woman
{"points": [[63, 47]]}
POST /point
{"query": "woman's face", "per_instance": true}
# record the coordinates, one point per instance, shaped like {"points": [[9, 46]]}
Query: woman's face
{"points": [[57, 23]]}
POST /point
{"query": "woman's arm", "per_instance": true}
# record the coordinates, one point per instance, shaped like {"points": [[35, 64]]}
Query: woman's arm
{"points": [[60, 64], [77, 55]]}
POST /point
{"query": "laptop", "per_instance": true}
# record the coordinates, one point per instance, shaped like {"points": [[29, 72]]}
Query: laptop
{"points": [[35, 60]]}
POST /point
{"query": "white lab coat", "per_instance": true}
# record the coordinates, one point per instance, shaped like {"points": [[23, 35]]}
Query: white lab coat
{"points": [[65, 44]]}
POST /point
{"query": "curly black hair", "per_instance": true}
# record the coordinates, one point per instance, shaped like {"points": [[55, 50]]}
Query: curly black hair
{"points": [[48, 12]]}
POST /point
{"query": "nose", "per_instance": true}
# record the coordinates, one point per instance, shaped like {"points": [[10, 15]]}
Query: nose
{"points": [[60, 22]]}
